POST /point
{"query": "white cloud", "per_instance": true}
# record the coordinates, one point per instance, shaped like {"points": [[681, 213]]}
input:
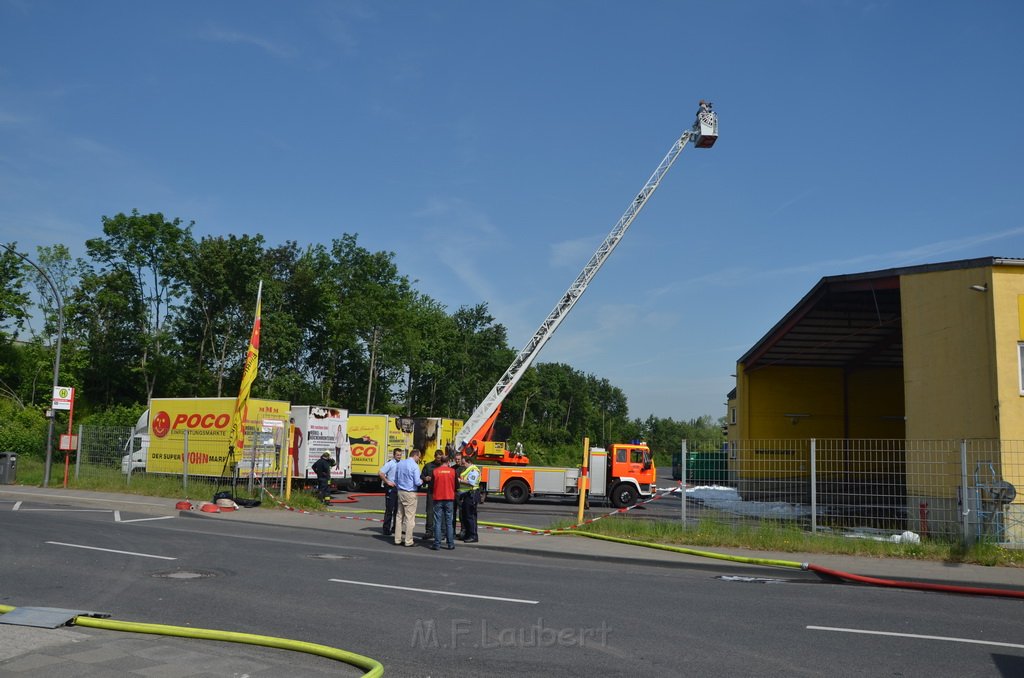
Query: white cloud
{"points": [[337, 21], [466, 242], [213, 33], [92, 148], [8, 118], [572, 253], [925, 253], [792, 201]]}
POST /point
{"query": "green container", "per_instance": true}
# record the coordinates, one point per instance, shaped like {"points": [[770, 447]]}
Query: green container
{"points": [[706, 467], [677, 466]]}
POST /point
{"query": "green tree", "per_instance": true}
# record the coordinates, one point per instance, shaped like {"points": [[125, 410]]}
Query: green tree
{"points": [[559, 402], [13, 298], [362, 356], [62, 271], [150, 250], [289, 287], [26, 366], [219, 276], [427, 337], [332, 351], [13, 314], [610, 414], [664, 435], [154, 312], [479, 355], [105, 318]]}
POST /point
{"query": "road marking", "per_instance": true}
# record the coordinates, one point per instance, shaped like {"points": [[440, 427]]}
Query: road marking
{"points": [[753, 580], [117, 518], [96, 548], [45, 495], [17, 505], [915, 635], [63, 510], [440, 593]]}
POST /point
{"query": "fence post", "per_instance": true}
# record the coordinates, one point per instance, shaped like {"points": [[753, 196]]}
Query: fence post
{"points": [[252, 467], [814, 486], [682, 484], [964, 500], [78, 453], [184, 466]]}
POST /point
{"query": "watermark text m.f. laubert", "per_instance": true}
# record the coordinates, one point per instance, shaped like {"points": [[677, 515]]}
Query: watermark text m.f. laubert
{"points": [[429, 633]]}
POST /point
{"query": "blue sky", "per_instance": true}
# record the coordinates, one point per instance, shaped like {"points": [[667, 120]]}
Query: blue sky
{"points": [[492, 146]]}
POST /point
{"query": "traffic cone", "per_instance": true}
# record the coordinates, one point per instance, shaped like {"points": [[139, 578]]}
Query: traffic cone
{"points": [[184, 505]]}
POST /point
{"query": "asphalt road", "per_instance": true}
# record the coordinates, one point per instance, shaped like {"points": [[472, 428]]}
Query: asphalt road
{"points": [[483, 611]]}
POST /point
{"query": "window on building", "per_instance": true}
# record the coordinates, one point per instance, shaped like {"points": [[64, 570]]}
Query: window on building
{"points": [[1020, 364], [732, 415]]}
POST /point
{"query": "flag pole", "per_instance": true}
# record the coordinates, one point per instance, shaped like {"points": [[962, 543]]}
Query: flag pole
{"points": [[236, 439]]}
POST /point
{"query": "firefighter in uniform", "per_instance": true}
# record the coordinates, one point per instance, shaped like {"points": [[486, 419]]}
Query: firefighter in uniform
{"points": [[469, 493]]}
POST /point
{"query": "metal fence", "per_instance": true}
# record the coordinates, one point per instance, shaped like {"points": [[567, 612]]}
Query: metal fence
{"points": [[954, 490], [106, 449], [942, 489], [101, 447]]}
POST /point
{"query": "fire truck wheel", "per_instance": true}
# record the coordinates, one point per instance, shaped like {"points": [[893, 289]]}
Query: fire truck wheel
{"points": [[516, 491], [623, 495]]}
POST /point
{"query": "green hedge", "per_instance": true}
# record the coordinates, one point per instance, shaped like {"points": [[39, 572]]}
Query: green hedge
{"points": [[22, 429]]}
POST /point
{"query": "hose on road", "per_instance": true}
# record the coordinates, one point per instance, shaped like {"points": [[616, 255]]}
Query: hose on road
{"points": [[792, 564], [768, 562], [371, 667]]}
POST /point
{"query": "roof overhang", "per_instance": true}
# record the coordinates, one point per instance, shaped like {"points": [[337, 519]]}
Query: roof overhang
{"points": [[847, 321]]}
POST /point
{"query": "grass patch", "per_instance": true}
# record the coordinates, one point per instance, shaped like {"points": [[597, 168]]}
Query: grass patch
{"points": [[790, 538], [105, 479]]}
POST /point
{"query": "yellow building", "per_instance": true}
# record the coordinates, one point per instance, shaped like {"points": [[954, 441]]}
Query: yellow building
{"points": [[930, 352]]}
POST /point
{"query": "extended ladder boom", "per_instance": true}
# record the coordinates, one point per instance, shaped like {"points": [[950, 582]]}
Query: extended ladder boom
{"points": [[704, 133]]}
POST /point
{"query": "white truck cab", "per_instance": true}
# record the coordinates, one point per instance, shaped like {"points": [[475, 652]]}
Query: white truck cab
{"points": [[137, 448]]}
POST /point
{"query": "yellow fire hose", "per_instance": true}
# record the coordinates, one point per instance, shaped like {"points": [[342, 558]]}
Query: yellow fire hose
{"points": [[372, 667]]}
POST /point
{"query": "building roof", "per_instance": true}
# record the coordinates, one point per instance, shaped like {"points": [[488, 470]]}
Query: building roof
{"points": [[849, 320]]}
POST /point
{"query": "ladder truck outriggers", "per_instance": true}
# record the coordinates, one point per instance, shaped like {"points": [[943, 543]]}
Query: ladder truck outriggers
{"points": [[624, 473]]}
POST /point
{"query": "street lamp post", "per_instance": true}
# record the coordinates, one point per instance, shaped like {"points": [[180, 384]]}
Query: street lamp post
{"points": [[56, 359]]}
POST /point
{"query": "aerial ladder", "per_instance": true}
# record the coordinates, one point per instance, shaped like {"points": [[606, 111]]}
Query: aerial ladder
{"points": [[703, 134]]}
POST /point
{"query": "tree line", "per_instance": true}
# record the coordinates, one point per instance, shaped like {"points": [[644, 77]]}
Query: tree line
{"points": [[151, 311]]}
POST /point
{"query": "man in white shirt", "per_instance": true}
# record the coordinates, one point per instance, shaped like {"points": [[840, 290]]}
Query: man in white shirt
{"points": [[407, 480]]}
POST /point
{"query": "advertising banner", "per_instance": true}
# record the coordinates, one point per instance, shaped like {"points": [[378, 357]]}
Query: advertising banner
{"points": [[367, 435], [423, 433], [208, 422], [401, 433], [434, 433], [319, 430]]}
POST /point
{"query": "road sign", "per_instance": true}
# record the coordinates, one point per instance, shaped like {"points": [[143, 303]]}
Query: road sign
{"points": [[68, 442], [63, 397]]}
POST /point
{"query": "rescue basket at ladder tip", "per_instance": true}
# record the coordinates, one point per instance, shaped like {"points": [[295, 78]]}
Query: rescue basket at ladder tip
{"points": [[706, 126]]}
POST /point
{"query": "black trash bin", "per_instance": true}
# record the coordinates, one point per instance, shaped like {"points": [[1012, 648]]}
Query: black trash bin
{"points": [[8, 468]]}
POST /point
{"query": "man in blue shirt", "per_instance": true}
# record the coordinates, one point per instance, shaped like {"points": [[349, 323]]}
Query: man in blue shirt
{"points": [[407, 479], [387, 479]]}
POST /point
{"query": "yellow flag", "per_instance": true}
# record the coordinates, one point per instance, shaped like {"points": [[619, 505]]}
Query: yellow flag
{"points": [[252, 359]]}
